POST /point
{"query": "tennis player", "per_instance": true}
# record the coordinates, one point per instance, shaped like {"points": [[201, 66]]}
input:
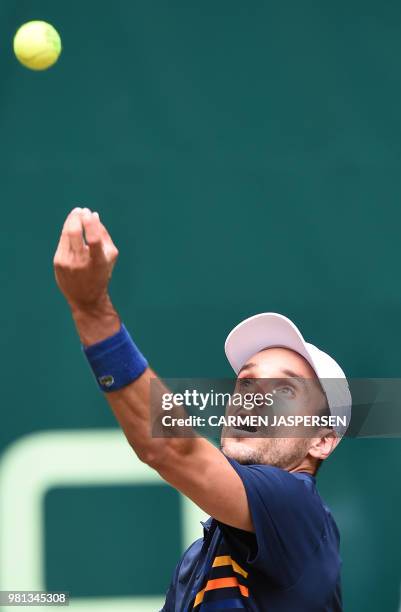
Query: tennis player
{"points": [[271, 544]]}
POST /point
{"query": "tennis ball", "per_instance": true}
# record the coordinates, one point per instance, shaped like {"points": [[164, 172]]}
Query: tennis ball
{"points": [[37, 45]]}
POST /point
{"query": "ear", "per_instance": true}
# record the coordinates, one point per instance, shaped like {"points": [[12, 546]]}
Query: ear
{"points": [[322, 447]]}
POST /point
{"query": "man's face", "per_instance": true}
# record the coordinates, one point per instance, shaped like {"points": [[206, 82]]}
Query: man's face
{"points": [[296, 390]]}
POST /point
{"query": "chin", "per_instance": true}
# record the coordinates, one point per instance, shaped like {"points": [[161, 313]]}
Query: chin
{"points": [[240, 450]]}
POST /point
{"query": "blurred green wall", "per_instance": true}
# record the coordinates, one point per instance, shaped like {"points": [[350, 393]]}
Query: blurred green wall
{"points": [[246, 156]]}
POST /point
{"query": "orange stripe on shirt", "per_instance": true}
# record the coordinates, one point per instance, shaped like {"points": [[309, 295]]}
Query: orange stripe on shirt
{"points": [[221, 583], [199, 598], [227, 560]]}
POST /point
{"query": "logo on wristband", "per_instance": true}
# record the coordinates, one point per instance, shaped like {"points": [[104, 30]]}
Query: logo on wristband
{"points": [[106, 381]]}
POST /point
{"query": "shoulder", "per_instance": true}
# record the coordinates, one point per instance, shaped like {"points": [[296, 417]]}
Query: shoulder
{"points": [[289, 500], [290, 520], [278, 484]]}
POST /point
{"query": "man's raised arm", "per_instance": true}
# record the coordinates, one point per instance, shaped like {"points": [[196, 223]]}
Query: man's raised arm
{"points": [[83, 264]]}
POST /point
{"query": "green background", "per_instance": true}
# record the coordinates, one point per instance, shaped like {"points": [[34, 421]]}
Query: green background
{"points": [[246, 157]]}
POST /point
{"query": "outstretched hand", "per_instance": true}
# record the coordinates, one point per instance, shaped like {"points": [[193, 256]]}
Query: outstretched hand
{"points": [[84, 260]]}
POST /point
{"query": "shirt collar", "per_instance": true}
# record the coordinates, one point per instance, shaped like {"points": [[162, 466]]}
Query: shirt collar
{"points": [[206, 525], [304, 476]]}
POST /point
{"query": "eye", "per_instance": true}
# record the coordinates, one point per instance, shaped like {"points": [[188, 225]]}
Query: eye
{"points": [[245, 382], [285, 391]]}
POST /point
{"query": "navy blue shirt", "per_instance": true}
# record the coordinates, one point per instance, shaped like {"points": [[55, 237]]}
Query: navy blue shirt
{"points": [[290, 564]]}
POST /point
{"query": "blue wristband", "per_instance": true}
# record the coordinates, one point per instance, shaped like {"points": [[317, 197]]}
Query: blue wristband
{"points": [[115, 361]]}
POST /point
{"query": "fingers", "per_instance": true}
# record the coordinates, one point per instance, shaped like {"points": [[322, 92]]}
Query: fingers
{"points": [[82, 222], [69, 232], [105, 234], [98, 238], [93, 234], [72, 236]]}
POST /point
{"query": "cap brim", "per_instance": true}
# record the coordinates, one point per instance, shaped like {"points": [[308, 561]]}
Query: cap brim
{"points": [[261, 331]]}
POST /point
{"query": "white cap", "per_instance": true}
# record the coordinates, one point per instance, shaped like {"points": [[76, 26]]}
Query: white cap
{"points": [[270, 329]]}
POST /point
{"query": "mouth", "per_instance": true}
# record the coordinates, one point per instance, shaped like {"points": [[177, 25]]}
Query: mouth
{"points": [[246, 428]]}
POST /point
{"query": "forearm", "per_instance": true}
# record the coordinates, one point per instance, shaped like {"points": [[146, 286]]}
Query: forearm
{"points": [[137, 409], [132, 403]]}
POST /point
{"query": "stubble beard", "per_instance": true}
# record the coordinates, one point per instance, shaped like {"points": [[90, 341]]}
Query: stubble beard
{"points": [[283, 453]]}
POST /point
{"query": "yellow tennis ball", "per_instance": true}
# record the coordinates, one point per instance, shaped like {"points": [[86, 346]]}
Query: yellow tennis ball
{"points": [[37, 45]]}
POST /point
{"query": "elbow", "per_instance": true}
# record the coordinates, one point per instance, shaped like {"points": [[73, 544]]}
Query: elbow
{"points": [[163, 454], [153, 455]]}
